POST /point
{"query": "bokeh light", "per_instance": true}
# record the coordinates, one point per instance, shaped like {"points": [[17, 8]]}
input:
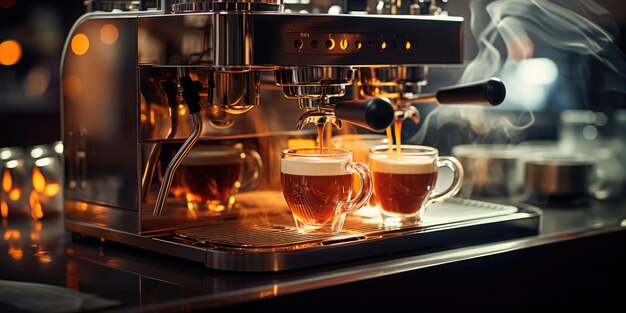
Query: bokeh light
{"points": [[10, 52], [80, 44], [37, 81], [109, 34]]}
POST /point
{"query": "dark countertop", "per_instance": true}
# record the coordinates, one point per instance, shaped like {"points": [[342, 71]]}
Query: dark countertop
{"points": [[576, 261]]}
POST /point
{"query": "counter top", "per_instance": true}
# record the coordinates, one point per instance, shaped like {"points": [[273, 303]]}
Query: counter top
{"points": [[576, 248]]}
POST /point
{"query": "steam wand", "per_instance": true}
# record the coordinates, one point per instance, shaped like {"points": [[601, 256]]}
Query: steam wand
{"points": [[190, 91]]}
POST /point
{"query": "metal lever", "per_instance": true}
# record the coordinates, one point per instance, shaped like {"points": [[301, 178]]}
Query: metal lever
{"points": [[489, 92]]}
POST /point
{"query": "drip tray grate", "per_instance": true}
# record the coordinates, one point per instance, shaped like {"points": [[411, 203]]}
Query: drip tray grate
{"points": [[278, 230], [270, 242]]}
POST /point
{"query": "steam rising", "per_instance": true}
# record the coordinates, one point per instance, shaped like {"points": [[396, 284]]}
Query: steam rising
{"points": [[563, 25], [511, 31]]}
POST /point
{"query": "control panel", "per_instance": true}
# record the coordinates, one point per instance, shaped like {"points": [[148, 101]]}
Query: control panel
{"points": [[323, 43]]}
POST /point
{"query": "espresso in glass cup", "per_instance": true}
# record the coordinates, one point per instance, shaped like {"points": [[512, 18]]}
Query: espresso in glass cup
{"points": [[404, 182], [318, 188], [211, 176]]}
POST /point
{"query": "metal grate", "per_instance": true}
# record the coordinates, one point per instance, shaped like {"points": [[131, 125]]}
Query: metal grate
{"points": [[278, 230]]}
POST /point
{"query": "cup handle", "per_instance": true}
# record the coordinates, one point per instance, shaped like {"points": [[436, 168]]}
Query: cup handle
{"points": [[457, 169], [365, 192], [253, 167]]}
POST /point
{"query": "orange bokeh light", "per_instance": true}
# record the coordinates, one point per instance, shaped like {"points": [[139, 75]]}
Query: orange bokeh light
{"points": [[52, 189], [4, 208], [15, 194], [7, 181], [80, 44], [12, 234], [36, 210], [16, 253], [10, 52], [109, 34], [39, 182]]}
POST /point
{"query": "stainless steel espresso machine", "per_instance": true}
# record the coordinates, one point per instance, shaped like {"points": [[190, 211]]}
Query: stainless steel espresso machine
{"points": [[145, 82]]}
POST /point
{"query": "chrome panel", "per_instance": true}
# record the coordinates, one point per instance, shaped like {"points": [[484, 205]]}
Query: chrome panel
{"points": [[269, 40], [100, 115]]}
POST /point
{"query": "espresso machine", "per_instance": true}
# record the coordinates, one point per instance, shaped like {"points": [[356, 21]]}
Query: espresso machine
{"points": [[144, 82]]}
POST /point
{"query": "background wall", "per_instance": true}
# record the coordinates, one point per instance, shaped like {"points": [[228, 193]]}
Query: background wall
{"points": [[29, 74]]}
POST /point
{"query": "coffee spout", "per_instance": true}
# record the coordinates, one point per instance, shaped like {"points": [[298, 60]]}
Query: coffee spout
{"points": [[318, 118], [408, 112]]}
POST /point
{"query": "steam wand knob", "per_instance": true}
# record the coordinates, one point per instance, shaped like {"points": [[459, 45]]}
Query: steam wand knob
{"points": [[190, 90]]}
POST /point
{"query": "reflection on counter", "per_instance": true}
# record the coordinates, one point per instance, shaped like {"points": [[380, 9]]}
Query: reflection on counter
{"points": [[41, 251], [35, 297]]}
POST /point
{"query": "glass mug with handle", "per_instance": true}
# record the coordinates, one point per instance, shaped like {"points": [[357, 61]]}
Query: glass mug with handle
{"points": [[405, 181], [318, 187], [211, 175]]}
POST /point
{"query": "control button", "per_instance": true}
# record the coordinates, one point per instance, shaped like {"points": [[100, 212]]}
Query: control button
{"points": [[298, 44], [359, 45], [407, 45], [330, 44], [314, 44], [343, 44], [383, 45]]}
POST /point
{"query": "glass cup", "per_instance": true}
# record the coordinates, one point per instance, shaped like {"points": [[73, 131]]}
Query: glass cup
{"points": [[46, 196], [318, 187], [405, 182], [360, 145], [211, 176], [14, 182]]}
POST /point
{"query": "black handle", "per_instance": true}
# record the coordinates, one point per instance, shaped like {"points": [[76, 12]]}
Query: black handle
{"points": [[375, 114], [171, 89], [488, 92], [190, 90]]}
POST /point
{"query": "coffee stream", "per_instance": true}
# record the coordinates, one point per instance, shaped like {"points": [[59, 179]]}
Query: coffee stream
{"points": [[397, 127], [325, 137], [320, 137]]}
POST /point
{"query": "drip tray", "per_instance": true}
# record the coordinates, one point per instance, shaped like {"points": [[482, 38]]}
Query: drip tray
{"points": [[272, 243]]}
